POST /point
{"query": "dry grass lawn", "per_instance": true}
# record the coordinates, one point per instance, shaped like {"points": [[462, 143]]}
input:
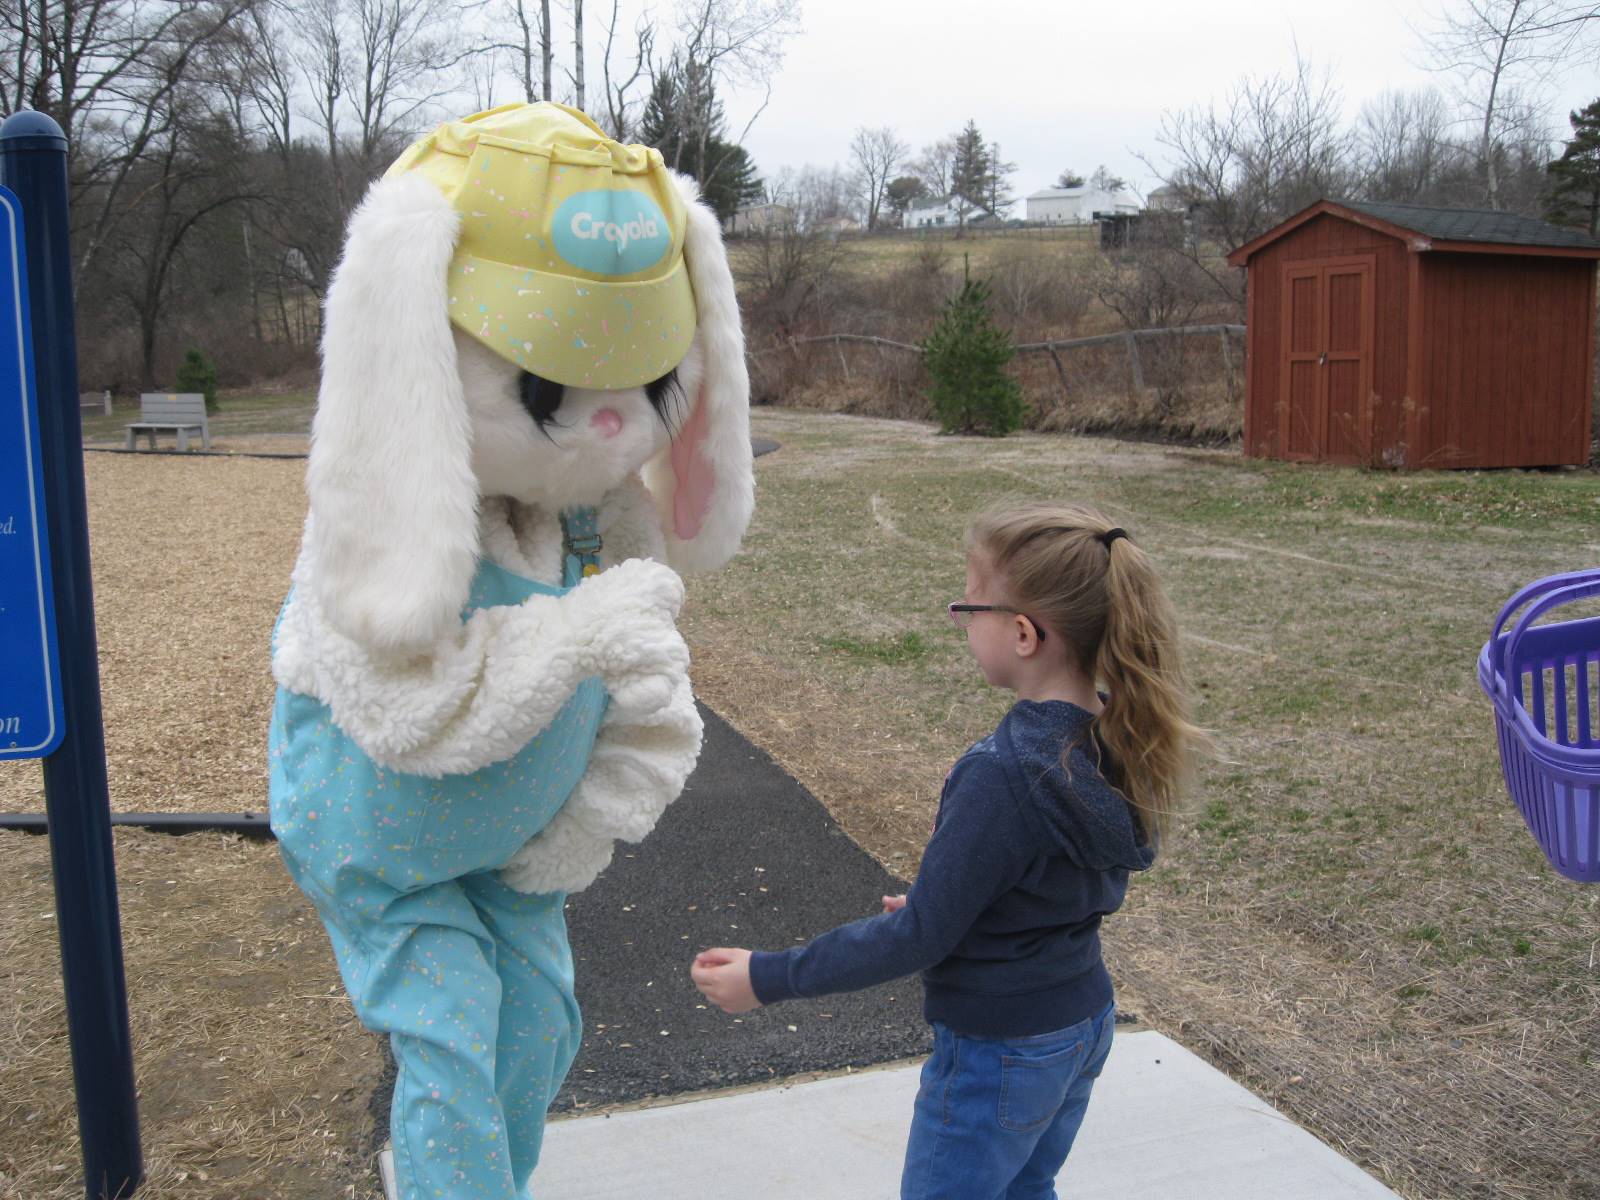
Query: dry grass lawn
{"points": [[1352, 921], [878, 253]]}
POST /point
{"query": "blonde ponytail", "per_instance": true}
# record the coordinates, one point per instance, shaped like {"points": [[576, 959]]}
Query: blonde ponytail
{"points": [[1145, 724], [1087, 580]]}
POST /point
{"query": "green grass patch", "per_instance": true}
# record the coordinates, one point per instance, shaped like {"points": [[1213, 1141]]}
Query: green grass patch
{"points": [[1507, 499], [899, 651], [239, 414]]}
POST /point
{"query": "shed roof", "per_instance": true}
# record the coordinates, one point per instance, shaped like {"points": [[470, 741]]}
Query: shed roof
{"points": [[1475, 225], [1423, 227]]}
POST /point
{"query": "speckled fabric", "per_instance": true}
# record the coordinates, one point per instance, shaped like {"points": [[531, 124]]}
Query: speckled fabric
{"points": [[569, 260], [471, 980]]}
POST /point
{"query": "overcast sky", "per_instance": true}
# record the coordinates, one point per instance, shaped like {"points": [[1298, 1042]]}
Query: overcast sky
{"points": [[1060, 84]]}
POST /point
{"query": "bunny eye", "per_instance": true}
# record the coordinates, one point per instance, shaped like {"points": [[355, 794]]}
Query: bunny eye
{"points": [[666, 397], [541, 397]]}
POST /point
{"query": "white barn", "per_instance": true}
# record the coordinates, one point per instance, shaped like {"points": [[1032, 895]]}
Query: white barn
{"points": [[1076, 205]]}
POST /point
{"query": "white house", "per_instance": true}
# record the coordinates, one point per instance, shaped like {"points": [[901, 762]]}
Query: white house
{"points": [[1076, 205], [934, 211]]}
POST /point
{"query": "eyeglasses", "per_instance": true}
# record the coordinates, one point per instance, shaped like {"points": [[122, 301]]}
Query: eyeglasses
{"points": [[962, 614]]}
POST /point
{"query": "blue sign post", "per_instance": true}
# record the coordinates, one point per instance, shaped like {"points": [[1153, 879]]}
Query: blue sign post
{"points": [[33, 166], [31, 722]]}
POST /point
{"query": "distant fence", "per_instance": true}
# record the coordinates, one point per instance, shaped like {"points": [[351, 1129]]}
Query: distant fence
{"points": [[1086, 231], [1157, 361]]}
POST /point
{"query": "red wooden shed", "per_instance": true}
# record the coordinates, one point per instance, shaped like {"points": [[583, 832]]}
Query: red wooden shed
{"points": [[1405, 336]]}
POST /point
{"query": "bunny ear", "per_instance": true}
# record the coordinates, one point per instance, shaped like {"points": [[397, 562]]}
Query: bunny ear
{"points": [[704, 482], [393, 525]]}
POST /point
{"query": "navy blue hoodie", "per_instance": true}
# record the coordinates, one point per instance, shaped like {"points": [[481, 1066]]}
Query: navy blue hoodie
{"points": [[1004, 918]]}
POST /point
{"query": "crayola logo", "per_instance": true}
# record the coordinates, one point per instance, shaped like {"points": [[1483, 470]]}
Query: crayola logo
{"points": [[611, 231]]}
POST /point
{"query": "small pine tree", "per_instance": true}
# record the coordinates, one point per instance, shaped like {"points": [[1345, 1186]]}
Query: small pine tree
{"points": [[198, 375], [966, 356], [1574, 197]]}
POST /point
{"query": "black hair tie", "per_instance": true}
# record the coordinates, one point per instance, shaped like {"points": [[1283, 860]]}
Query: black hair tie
{"points": [[1112, 535]]}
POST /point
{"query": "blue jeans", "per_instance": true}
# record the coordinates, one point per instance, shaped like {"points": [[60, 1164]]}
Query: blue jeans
{"points": [[995, 1118]]}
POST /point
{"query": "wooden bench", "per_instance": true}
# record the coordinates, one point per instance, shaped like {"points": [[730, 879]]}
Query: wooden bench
{"points": [[181, 412], [95, 401]]}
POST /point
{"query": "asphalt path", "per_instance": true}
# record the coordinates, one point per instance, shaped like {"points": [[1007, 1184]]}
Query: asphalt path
{"points": [[745, 857]]}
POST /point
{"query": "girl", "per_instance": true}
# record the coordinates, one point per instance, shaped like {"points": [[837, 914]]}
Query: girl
{"points": [[1038, 827]]}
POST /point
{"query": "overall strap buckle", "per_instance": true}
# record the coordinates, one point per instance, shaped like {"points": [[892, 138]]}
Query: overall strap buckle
{"points": [[580, 543]]}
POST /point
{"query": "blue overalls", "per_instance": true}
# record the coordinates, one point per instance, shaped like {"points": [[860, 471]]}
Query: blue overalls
{"points": [[471, 980]]}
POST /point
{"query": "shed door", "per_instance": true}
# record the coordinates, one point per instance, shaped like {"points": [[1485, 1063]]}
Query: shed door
{"points": [[1325, 383]]}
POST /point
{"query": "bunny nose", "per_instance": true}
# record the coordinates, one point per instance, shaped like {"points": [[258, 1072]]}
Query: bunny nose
{"points": [[608, 421]]}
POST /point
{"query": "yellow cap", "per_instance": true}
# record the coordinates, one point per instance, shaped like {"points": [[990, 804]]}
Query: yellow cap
{"points": [[570, 257]]}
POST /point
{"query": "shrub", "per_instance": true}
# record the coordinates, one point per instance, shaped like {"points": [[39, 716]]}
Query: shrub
{"points": [[966, 357], [198, 375]]}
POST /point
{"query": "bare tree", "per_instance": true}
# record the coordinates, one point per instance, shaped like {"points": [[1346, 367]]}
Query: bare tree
{"points": [[258, 53], [405, 50], [322, 54], [877, 154], [1106, 181], [107, 71], [816, 194], [546, 49], [1273, 147], [934, 166], [1403, 146], [1499, 55], [375, 67], [733, 42], [738, 42], [620, 107], [997, 189], [192, 170], [783, 274], [531, 45], [577, 50]]}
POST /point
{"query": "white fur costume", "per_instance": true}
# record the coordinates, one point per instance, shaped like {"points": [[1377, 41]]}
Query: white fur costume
{"points": [[423, 459], [440, 666]]}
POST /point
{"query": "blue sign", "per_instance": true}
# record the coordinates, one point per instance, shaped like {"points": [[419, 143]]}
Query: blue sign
{"points": [[31, 722]]}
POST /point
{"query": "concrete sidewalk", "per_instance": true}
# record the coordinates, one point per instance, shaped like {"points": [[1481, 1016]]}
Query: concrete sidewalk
{"points": [[1162, 1123]]}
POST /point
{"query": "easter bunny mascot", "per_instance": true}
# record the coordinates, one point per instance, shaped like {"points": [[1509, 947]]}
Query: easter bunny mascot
{"points": [[533, 401]]}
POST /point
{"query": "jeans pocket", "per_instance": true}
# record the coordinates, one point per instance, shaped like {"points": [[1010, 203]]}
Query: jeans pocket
{"points": [[1033, 1087]]}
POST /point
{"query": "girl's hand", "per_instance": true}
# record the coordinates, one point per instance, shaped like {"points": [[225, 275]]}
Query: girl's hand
{"points": [[893, 903], [723, 977]]}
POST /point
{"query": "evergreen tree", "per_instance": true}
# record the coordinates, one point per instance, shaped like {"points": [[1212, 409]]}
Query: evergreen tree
{"points": [[196, 374], [684, 120], [660, 125], [729, 178], [1574, 197], [897, 197], [966, 357], [969, 171]]}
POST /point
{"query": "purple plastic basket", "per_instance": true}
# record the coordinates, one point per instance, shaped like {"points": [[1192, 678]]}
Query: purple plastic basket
{"points": [[1545, 684]]}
